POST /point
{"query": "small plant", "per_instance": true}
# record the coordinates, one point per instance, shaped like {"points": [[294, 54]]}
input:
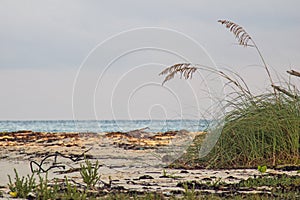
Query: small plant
{"points": [[217, 182], [262, 169], [189, 193], [72, 192], [44, 191], [21, 187], [89, 173], [166, 175]]}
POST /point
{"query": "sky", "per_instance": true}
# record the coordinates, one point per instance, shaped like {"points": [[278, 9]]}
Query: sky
{"points": [[101, 59]]}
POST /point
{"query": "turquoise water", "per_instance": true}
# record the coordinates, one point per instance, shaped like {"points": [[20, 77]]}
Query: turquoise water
{"points": [[103, 125]]}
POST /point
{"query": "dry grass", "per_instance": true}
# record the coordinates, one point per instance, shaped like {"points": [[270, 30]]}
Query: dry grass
{"points": [[240, 33], [244, 38]]}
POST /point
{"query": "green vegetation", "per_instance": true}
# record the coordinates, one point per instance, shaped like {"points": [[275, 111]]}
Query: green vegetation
{"points": [[71, 192], [167, 175], [189, 193], [262, 169], [279, 181], [263, 129], [89, 173], [21, 187], [267, 186], [25, 187], [258, 129], [44, 190], [275, 187]]}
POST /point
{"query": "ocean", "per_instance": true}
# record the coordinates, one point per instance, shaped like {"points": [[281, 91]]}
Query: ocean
{"points": [[99, 126]]}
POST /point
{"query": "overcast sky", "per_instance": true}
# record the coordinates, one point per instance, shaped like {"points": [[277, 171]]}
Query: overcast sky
{"points": [[101, 59]]}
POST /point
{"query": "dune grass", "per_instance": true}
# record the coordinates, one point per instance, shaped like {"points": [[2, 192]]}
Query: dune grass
{"points": [[263, 130], [259, 129]]}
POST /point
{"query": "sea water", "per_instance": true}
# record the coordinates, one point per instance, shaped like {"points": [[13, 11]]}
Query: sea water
{"points": [[97, 126]]}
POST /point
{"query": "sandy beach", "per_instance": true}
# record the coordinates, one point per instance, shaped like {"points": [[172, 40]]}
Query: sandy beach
{"points": [[130, 162]]}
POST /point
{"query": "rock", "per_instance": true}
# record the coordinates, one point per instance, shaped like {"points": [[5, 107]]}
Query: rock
{"points": [[184, 172], [145, 177]]}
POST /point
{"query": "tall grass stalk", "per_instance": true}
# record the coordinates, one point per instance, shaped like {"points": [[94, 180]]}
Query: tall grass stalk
{"points": [[244, 39], [259, 129]]}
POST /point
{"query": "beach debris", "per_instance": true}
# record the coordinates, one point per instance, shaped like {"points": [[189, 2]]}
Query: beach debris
{"points": [[139, 139], [117, 175], [31, 138]]}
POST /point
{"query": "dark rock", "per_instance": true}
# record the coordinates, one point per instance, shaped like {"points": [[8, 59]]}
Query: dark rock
{"points": [[131, 182], [288, 167], [164, 177], [207, 179], [184, 172], [232, 177], [145, 177]]}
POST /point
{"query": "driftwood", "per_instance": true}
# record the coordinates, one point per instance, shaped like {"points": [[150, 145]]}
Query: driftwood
{"points": [[74, 158]]}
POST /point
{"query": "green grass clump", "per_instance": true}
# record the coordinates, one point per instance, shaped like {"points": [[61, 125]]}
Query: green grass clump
{"points": [[258, 131], [263, 130]]}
